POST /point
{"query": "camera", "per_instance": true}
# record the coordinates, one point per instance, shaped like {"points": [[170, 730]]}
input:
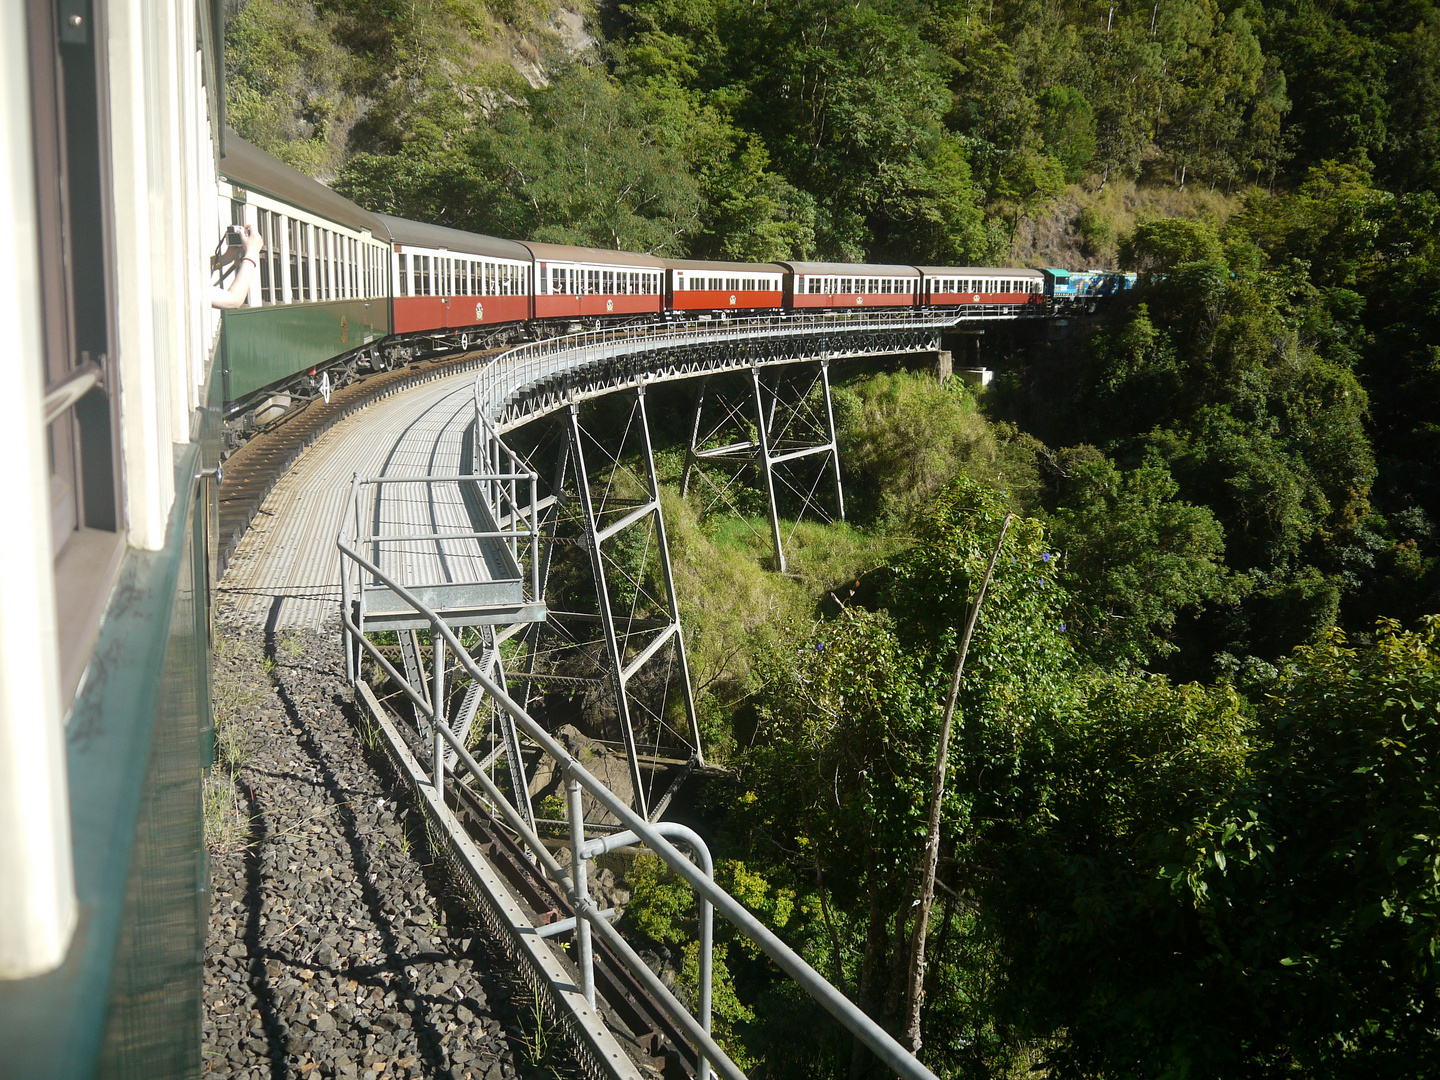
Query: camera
{"points": [[234, 236]]}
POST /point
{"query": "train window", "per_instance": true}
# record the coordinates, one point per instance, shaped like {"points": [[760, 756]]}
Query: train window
{"points": [[274, 256], [404, 289], [306, 267], [262, 225], [294, 260], [322, 267]]}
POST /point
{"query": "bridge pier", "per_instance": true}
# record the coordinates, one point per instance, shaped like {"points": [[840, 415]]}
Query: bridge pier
{"points": [[806, 428], [626, 659]]}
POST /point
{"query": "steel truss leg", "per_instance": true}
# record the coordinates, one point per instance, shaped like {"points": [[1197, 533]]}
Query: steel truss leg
{"points": [[763, 420], [671, 598], [619, 675], [536, 631], [834, 443], [691, 459], [607, 617], [773, 445]]}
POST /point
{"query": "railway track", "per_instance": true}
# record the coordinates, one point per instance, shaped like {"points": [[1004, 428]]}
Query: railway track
{"points": [[630, 1011]]}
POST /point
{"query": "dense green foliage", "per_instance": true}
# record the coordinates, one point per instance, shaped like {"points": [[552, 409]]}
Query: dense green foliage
{"points": [[1190, 822]]}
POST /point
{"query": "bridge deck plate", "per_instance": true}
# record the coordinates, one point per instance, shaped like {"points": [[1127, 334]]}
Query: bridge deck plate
{"points": [[286, 570]]}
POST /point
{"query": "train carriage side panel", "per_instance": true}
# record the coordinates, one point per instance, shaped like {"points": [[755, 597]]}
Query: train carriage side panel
{"points": [[449, 279], [816, 286], [322, 287], [580, 282], [724, 286], [972, 286]]}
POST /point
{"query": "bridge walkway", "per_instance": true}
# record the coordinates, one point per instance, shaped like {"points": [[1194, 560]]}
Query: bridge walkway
{"points": [[285, 570]]}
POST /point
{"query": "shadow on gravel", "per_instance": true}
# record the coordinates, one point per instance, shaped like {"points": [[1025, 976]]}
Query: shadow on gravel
{"points": [[255, 901], [407, 996]]}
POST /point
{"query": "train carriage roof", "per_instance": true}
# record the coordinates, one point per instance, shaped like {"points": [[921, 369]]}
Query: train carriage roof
{"points": [[568, 253], [980, 271], [456, 240], [851, 269], [250, 167], [739, 267]]}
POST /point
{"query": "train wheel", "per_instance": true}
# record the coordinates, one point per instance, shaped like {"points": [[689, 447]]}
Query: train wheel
{"points": [[464, 342]]}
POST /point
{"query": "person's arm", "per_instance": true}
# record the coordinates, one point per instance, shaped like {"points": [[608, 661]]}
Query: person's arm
{"points": [[239, 290]]}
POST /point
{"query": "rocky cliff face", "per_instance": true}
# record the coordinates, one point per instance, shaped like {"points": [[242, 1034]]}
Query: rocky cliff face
{"points": [[316, 84]]}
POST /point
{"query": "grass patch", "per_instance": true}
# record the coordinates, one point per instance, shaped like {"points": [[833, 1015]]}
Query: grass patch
{"points": [[227, 824]]}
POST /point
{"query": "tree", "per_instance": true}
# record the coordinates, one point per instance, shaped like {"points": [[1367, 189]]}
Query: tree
{"points": [[1135, 557], [1318, 886]]}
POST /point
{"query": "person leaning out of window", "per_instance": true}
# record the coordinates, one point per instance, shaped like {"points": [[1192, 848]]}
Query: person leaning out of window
{"points": [[243, 257]]}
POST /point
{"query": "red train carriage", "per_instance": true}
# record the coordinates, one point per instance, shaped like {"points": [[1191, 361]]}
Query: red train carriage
{"points": [[723, 286], [579, 282], [956, 286], [812, 285], [448, 280]]}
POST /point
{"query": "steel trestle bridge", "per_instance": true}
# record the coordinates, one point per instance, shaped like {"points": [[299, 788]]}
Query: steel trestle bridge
{"points": [[443, 590]]}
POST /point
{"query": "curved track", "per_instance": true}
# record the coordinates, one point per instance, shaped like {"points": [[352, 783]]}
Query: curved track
{"points": [[285, 570]]}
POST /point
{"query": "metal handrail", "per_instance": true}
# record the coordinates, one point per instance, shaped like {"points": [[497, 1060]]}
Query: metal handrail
{"points": [[832, 1000]]}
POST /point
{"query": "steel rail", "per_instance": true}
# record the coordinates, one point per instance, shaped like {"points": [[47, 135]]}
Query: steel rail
{"points": [[854, 1019]]}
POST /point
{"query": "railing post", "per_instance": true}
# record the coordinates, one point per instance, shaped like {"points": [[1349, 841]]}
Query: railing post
{"points": [[438, 717], [584, 958]]}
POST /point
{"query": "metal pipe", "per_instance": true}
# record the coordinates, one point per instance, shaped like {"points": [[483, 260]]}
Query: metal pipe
{"points": [[708, 1047], [564, 926], [584, 959], [438, 717], [602, 845]]}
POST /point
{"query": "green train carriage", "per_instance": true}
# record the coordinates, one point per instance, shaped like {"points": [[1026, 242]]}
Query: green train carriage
{"points": [[322, 291]]}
